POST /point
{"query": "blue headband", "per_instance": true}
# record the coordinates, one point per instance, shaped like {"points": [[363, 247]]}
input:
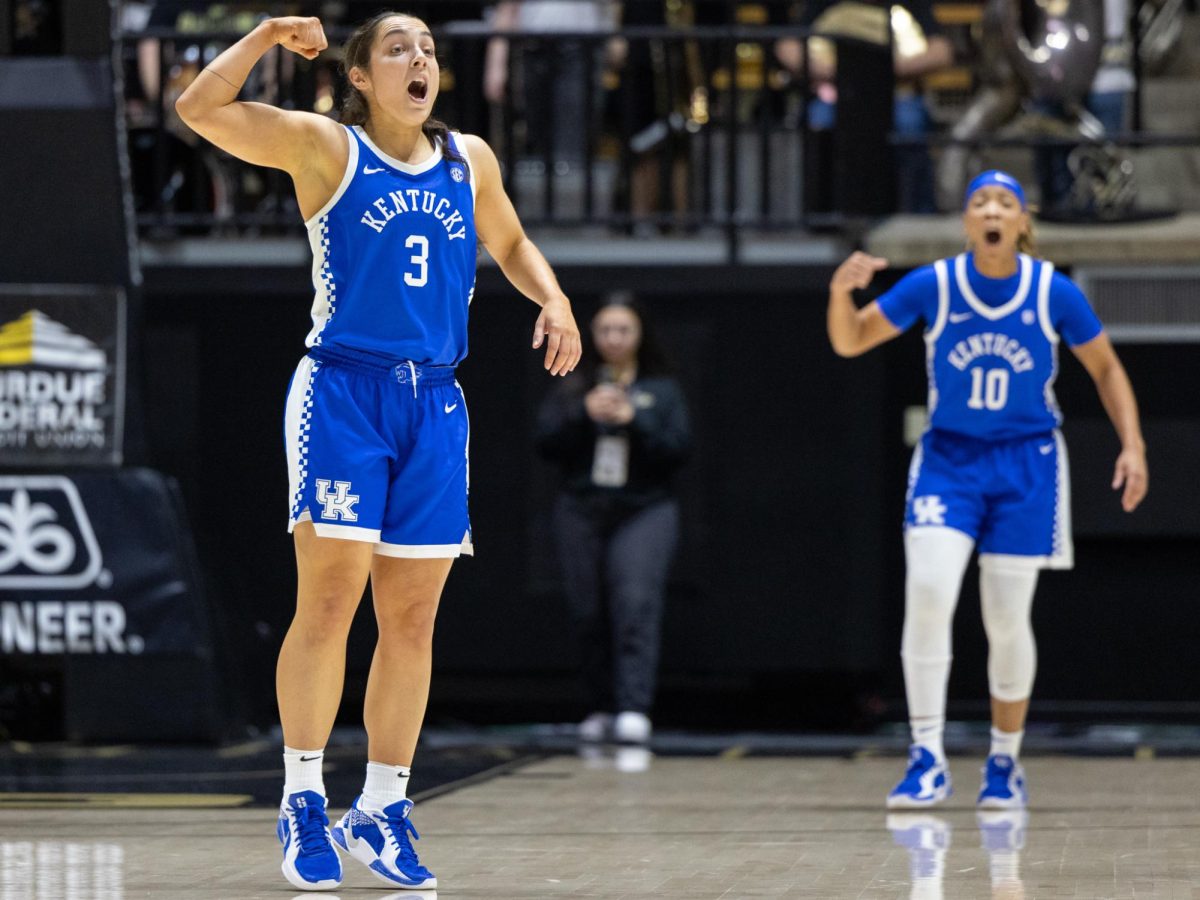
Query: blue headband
{"points": [[996, 177]]}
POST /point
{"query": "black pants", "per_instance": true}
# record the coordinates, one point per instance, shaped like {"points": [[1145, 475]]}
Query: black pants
{"points": [[615, 569]]}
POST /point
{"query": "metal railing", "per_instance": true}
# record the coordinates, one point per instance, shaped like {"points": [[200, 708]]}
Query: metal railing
{"points": [[701, 117]]}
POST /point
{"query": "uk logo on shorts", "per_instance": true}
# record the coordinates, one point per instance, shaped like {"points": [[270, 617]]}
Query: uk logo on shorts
{"points": [[341, 504], [46, 538], [929, 510]]}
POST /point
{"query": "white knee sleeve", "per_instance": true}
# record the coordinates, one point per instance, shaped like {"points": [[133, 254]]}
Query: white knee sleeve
{"points": [[1006, 586], [936, 559]]}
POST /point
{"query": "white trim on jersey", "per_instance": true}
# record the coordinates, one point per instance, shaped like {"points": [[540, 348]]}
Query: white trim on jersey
{"points": [[427, 551], [324, 287], [1064, 547], [943, 283], [994, 312], [407, 168], [1043, 302], [461, 146], [296, 432], [467, 445], [1043, 313], [935, 332], [914, 469], [343, 532], [347, 177]]}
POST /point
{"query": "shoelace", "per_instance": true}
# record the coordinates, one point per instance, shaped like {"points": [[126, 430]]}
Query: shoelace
{"points": [[399, 828], [310, 829]]}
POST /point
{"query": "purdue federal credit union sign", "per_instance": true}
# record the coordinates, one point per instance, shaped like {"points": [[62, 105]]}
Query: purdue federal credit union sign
{"points": [[62, 375]]}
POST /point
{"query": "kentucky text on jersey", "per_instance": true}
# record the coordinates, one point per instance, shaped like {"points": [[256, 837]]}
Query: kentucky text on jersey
{"points": [[990, 344], [414, 200], [394, 255]]}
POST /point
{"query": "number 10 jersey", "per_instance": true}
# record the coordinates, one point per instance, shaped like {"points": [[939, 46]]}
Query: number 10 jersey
{"points": [[394, 257], [991, 361]]}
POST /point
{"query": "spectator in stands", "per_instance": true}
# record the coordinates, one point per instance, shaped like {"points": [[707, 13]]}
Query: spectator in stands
{"points": [[919, 48], [553, 75]]}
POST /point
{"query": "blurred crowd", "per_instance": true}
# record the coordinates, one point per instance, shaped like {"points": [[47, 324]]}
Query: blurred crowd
{"points": [[646, 118]]}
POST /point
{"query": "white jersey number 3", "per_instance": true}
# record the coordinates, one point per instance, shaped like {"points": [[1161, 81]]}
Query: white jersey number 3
{"points": [[990, 390], [419, 259]]}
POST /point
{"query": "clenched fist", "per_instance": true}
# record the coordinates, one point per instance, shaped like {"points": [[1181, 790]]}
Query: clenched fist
{"points": [[300, 34], [857, 271]]}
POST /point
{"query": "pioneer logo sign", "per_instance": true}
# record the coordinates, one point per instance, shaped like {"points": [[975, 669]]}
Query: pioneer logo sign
{"points": [[61, 376], [47, 543], [46, 538]]}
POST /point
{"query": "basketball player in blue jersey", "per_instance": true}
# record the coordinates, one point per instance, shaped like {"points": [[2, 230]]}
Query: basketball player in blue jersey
{"points": [[376, 425], [990, 472]]}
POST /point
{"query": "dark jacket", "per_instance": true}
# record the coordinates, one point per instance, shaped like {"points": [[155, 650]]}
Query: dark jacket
{"points": [[659, 441]]}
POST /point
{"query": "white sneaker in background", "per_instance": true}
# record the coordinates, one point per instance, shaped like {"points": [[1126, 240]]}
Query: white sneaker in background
{"points": [[632, 728], [595, 728]]}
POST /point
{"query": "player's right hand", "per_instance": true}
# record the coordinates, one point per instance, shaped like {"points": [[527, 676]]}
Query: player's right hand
{"points": [[857, 271], [300, 34]]}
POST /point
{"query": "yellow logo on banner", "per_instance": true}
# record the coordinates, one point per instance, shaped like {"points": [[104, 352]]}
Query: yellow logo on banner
{"points": [[36, 339]]}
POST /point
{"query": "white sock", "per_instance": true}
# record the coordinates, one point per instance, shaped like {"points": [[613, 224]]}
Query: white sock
{"points": [[385, 785], [928, 734], [302, 771], [1006, 743]]}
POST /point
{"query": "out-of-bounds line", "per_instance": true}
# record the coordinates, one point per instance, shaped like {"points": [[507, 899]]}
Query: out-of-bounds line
{"points": [[479, 777]]}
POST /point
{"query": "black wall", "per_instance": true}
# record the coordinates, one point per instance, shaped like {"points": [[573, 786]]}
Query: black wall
{"points": [[786, 602]]}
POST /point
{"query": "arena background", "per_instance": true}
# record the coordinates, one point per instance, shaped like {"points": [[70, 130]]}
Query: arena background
{"points": [[785, 603]]}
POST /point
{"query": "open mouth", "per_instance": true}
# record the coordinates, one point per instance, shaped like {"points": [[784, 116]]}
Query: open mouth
{"points": [[992, 236], [418, 90]]}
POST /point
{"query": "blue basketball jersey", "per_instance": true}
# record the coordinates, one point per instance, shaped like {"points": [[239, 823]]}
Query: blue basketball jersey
{"points": [[394, 257], [991, 365]]}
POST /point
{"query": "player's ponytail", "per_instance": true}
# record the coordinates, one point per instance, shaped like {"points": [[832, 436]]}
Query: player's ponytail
{"points": [[355, 111]]}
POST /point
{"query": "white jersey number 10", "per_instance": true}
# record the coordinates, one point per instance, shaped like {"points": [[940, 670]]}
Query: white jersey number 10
{"points": [[990, 390]]}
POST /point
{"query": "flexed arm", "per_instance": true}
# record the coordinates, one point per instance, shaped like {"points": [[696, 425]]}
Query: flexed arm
{"points": [[256, 132]]}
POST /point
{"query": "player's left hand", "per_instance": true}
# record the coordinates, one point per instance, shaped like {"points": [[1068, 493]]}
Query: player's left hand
{"points": [[556, 329], [1131, 474]]}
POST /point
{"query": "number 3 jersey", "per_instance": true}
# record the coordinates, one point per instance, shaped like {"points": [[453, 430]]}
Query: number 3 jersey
{"points": [[991, 345], [394, 257]]}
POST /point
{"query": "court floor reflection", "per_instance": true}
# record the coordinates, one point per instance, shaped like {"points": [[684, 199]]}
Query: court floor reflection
{"points": [[927, 838], [685, 828], [61, 870]]}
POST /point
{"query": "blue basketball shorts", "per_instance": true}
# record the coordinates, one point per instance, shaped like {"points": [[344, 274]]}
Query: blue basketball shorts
{"points": [[1012, 497], [378, 453]]}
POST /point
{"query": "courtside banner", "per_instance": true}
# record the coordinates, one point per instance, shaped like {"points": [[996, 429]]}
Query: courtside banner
{"points": [[97, 564], [62, 375]]}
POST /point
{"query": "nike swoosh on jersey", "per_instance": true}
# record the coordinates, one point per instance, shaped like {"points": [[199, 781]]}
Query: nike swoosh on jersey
{"points": [[450, 408], [955, 318], [367, 170]]}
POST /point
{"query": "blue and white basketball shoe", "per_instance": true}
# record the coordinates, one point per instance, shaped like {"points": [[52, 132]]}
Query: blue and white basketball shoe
{"points": [[379, 839], [1003, 784], [925, 783], [309, 861]]}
